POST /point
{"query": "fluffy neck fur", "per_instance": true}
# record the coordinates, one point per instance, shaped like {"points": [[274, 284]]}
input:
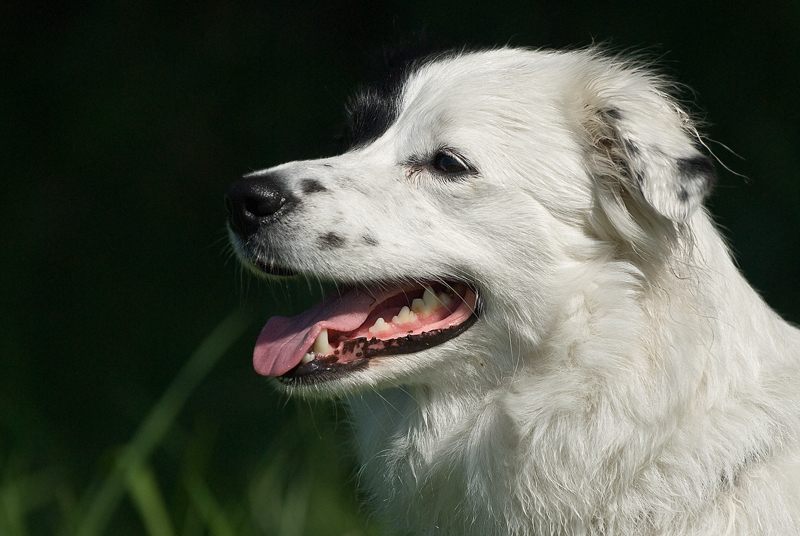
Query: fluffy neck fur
{"points": [[672, 431]]}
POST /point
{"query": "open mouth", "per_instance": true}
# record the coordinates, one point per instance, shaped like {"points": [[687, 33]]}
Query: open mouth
{"points": [[343, 332]]}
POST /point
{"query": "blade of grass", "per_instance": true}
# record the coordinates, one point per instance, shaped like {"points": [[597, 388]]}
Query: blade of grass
{"points": [[207, 507], [12, 519], [101, 504], [143, 488], [295, 507], [22, 496]]}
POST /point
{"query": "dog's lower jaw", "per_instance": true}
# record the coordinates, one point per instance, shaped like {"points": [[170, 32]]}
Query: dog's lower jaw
{"points": [[448, 364]]}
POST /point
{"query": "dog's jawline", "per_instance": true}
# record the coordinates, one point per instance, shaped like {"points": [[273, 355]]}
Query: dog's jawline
{"points": [[275, 270]]}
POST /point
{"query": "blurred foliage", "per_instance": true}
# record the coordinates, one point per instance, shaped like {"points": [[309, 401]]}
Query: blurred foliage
{"points": [[120, 124]]}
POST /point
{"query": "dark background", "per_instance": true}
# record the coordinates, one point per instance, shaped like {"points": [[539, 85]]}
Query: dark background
{"points": [[120, 124]]}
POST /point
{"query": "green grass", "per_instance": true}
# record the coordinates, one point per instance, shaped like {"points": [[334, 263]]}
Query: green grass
{"points": [[151, 486]]}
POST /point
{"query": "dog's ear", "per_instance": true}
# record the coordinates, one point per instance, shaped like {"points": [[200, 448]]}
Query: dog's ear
{"points": [[643, 146]]}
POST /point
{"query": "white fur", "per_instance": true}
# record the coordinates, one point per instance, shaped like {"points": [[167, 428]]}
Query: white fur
{"points": [[623, 378]]}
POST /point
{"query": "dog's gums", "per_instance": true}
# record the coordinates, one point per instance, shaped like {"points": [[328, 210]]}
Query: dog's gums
{"points": [[341, 333]]}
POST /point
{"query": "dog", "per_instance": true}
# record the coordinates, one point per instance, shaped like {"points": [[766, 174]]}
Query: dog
{"points": [[537, 327]]}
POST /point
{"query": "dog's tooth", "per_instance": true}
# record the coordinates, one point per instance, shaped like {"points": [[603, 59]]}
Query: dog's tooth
{"points": [[307, 358], [408, 315], [428, 304], [418, 306], [445, 298], [321, 345], [404, 316], [430, 299], [379, 325]]}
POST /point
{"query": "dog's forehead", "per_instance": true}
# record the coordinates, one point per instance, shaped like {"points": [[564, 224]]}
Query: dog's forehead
{"points": [[467, 93], [475, 93], [460, 81], [475, 76]]}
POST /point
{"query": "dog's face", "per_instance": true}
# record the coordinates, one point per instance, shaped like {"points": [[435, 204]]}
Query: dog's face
{"points": [[472, 199]]}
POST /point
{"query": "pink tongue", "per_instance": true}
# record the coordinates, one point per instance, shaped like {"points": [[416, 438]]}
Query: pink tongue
{"points": [[283, 341]]}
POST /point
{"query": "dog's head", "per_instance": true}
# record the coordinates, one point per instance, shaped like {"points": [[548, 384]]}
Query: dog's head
{"points": [[478, 189]]}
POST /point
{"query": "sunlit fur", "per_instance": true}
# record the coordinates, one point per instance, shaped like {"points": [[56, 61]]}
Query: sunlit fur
{"points": [[623, 378]]}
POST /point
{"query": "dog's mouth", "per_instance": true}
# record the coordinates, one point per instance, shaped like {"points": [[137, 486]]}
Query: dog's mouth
{"points": [[346, 330]]}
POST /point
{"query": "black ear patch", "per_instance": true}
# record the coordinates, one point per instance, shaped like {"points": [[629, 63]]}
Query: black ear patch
{"points": [[698, 168], [372, 112], [698, 175], [655, 155], [374, 109]]}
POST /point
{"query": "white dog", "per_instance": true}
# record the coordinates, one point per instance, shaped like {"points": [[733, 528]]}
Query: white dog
{"points": [[538, 328]]}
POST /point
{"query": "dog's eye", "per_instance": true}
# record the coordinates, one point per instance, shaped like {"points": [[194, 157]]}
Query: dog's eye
{"points": [[449, 164]]}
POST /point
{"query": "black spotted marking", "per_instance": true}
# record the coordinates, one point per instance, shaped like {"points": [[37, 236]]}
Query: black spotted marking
{"points": [[698, 173], [311, 186], [631, 172], [613, 113], [631, 148], [697, 167], [331, 241], [632, 152], [369, 240]]}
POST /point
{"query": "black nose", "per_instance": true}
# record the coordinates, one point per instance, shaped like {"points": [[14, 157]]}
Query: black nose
{"points": [[255, 201]]}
